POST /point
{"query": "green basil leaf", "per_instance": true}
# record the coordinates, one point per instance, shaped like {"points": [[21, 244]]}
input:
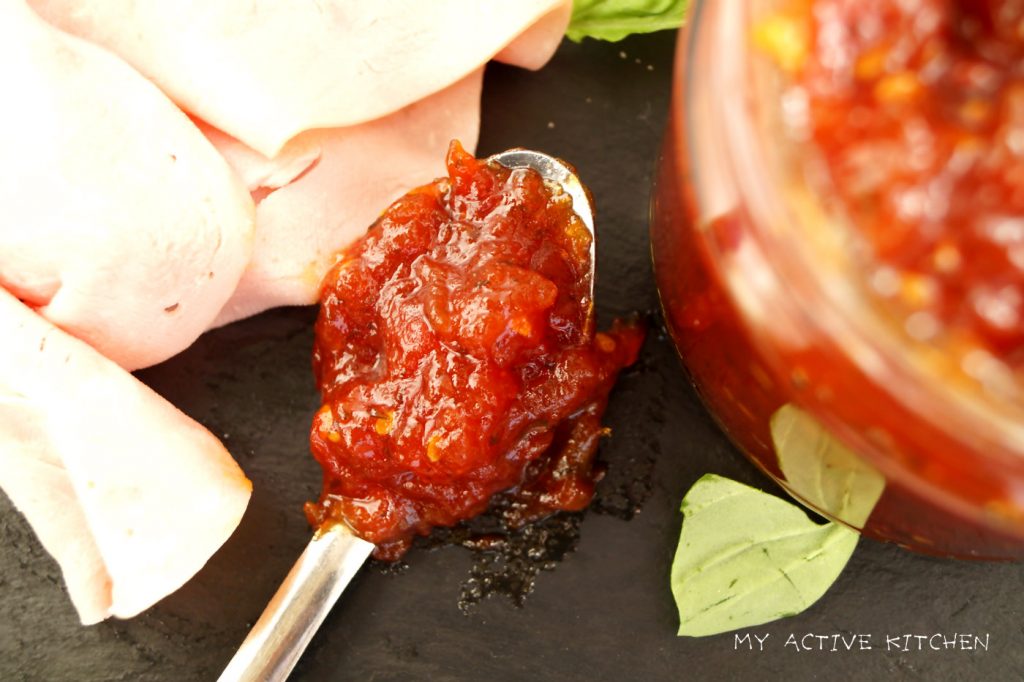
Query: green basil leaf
{"points": [[823, 471], [746, 558], [615, 19]]}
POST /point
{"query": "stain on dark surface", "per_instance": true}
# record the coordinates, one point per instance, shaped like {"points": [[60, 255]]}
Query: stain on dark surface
{"points": [[506, 561]]}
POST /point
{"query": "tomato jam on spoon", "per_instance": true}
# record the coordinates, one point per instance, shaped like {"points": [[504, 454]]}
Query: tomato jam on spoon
{"points": [[456, 358]]}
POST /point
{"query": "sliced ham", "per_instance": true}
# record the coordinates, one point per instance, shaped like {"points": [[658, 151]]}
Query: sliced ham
{"points": [[337, 181], [125, 233], [121, 223], [258, 173], [265, 71], [532, 48], [127, 493]]}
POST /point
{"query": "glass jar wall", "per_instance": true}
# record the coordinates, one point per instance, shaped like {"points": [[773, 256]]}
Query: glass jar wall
{"points": [[772, 294]]}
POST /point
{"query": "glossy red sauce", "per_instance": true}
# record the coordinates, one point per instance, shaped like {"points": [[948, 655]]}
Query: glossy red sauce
{"points": [[917, 108], [456, 358]]}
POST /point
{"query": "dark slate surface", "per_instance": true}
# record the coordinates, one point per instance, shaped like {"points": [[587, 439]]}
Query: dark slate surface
{"points": [[604, 612]]}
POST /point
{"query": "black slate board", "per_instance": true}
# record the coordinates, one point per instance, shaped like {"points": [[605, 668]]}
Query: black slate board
{"points": [[605, 611]]}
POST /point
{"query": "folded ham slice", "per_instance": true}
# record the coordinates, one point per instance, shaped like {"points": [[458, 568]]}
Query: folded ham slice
{"points": [[265, 71], [337, 181], [121, 223], [127, 493]]}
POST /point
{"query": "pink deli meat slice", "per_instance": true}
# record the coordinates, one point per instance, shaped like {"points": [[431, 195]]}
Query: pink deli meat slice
{"points": [[121, 223], [338, 182], [265, 71], [127, 493]]}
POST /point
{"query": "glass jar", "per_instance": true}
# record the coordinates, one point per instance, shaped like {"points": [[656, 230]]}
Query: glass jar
{"points": [[806, 370]]}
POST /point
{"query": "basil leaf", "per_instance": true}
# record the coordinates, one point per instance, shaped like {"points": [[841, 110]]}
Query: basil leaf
{"points": [[823, 471], [615, 19], [746, 558]]}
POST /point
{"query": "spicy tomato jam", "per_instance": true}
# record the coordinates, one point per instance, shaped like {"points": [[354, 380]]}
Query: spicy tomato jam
{"points": [[917, 109], [838, 232], [456, 358]]}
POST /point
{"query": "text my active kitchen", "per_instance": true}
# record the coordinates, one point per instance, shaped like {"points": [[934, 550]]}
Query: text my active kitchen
{"points": [[836, 642]]}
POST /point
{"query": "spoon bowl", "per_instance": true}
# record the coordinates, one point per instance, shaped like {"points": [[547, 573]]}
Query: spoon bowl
{"points": [[562, 175]]}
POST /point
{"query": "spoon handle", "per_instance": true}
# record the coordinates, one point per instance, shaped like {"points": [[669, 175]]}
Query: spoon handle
{"points": [[293, 615]]}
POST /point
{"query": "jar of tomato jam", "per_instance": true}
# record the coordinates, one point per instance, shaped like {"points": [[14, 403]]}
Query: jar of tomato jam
{"points": [[838, 237]]}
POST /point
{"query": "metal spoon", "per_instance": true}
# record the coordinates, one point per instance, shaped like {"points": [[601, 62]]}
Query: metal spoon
{"points": [[334, 555]]}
